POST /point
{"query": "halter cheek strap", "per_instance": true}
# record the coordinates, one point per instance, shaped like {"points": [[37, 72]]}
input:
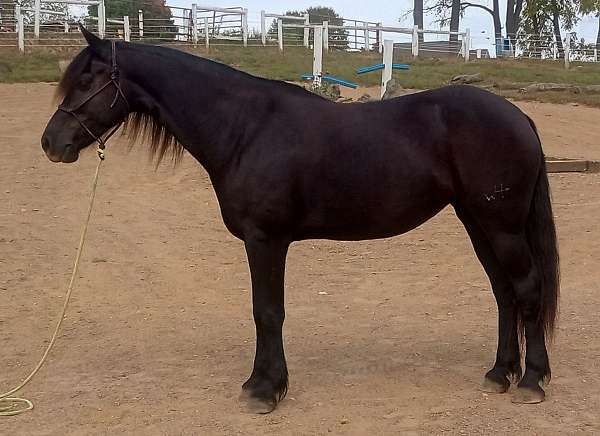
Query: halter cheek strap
{"points": [[114, 80]]}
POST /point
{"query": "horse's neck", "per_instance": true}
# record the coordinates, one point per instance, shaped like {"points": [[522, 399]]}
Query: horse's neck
{"points": [[197, 102]]}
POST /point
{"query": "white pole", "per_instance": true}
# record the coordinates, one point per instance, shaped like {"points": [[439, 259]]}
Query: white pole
{"points": [[318, 56], [306, 29], [206, 33], [280, 33], [126, 28], [326, 35], [567, 49], [245, 27], [20, 28], [380, 38], [367, 39], [467, 37], [415, 42], [194, 24], [595, 55], [36, 26], [101, 19], [141, 23], [263, 28], [388, 56], [66, 26]]}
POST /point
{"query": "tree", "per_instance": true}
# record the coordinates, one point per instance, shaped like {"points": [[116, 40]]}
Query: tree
{"points": [[152, 9], [317, 15], [513, 19], [592, 7], [542, 20]]}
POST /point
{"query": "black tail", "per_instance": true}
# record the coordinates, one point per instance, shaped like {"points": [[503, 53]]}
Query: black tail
{"points": [[541, 235]]}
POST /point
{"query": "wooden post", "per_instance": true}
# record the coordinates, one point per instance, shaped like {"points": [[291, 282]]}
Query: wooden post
{"points": [[194, 23], [388, 57], [141, 23], [126, 29], [367, 36], [101, 19], [467, 44], [263, 28], [206, 33], [306, 29], [245, 27], [280, 33], [567, 49], [318, 56], [415, 42], [36, 14], [20, 28]]}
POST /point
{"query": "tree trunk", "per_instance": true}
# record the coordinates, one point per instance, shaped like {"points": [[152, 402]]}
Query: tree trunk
{"points": [[513, 19], [497, 27], [557, 36], [454, 19], [418, 16], [598, 36]]}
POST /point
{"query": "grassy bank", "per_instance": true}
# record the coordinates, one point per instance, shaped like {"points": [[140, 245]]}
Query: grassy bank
{"points": [[507, 76]]}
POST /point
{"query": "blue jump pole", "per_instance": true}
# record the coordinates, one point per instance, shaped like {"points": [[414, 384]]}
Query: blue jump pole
{"points": [[331, 79]]}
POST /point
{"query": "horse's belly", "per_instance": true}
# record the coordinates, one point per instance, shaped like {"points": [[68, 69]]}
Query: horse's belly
{"points": [[376, 214]]}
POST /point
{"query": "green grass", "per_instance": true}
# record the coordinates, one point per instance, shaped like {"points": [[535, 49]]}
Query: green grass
{"points": [[507, 76]]}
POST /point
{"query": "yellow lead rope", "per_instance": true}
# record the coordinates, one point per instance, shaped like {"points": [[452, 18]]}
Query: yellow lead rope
{"points": [[10, 406]]}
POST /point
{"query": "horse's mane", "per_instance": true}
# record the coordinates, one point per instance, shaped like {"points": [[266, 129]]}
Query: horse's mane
{"points": [[137, 126]]}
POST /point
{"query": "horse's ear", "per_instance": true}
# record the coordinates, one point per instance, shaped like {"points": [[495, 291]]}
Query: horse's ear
{"points": [[93, 41]]}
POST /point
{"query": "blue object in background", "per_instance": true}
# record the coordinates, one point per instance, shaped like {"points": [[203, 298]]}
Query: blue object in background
{"points": [[331, 79]]}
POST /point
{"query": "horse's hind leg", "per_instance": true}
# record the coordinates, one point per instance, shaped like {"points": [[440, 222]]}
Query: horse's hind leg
{"points": [[515, 255], [508, 360]]}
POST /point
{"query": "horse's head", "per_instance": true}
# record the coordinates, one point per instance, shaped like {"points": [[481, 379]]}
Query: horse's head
{"points": [[93, 102]]}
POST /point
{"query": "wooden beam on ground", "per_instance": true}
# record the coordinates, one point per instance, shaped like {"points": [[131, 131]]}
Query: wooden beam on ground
{"points": [[572, 166]]}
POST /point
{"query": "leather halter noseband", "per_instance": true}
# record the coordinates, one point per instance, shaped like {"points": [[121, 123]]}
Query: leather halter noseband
{"points": [[114, 80]]}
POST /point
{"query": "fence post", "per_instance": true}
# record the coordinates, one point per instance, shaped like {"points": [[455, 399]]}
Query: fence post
{"points": [[326, 35], [467, 37], [595, 55], [101, 19], [317, 56], [380, 38], [126, 28], [36, 25], [306, 29], [20, 28], [415, 42], [245, 27], [567, 49], [141, 23], [388, 56], [206, 33], [263, 28], [194, 23], [280, 33], [367, 36]]}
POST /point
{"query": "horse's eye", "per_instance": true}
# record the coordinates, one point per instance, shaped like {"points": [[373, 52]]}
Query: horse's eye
{"points": [[85, 82]]}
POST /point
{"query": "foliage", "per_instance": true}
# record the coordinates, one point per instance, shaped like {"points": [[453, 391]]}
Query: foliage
{"points": [[317, 14]]}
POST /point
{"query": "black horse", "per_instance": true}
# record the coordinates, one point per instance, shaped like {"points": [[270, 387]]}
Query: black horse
{"points": [[288, 165]]}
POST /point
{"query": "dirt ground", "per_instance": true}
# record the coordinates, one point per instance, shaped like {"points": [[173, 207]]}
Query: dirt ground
{"points": [[159, 336]]}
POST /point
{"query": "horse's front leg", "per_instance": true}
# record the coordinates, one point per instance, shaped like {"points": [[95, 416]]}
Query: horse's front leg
{"points": [[269, 380]]}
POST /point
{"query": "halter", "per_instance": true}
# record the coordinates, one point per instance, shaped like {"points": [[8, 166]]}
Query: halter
{"points": [[114, 80]]}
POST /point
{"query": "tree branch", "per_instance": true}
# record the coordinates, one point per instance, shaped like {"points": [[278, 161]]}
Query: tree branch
{"points": [[465, 5]]}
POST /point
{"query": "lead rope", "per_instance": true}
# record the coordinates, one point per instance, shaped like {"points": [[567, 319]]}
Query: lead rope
{"points": [[10, 406]]}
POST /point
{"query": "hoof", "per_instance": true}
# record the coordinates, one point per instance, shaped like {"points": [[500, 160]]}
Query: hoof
{"points": [[493, 386], [528, 395], [256, 406]]}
